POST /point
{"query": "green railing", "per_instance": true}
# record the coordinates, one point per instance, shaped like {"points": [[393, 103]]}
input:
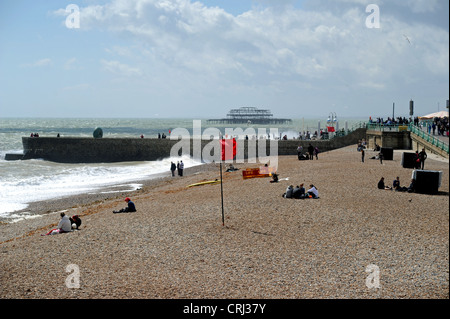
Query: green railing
{"points": [[386, 127], [429, 138]]}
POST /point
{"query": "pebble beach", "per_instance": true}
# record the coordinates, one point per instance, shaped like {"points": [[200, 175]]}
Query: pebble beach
{"points": [[175, 246]]}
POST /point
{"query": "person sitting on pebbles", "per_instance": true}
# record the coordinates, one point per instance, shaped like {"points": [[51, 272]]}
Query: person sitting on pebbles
{"points": [[274, 178], [129, 209], [299, 192], [382, 186], [64, 226], [75, 220], [312, 192]]}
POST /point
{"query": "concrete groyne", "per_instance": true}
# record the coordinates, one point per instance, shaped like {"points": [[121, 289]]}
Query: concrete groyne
{"points": [[104, 150]]}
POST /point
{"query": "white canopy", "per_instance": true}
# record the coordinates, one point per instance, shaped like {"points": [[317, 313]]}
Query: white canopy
{"points": [[433, 115]]}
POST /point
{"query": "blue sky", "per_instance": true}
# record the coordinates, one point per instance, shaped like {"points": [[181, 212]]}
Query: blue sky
{"points": [[198, 59]]}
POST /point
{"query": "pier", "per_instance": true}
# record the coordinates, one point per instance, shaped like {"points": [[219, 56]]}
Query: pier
{"points": [[249, 115]]}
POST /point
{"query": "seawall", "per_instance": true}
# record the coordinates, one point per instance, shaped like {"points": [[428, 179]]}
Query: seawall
{"points": [[104, 150]]}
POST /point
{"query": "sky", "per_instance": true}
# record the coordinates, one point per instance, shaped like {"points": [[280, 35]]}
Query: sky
{"points": [[199, 59]]}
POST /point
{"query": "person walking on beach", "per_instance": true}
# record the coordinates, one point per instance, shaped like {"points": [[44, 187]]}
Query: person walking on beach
{"points": [[362, 155], [181, 168], [316, 152], [173, 167], [423, 156]]}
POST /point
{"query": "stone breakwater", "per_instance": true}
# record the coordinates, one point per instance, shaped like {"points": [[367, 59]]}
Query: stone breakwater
{"points": [[103, 150]]}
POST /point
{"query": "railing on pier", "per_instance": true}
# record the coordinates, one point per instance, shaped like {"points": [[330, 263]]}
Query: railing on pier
{"points": [[429, 138], [381, 127]]}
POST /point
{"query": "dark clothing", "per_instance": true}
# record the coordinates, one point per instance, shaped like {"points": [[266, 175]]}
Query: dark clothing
{"points": [[411, 187], [396, 184], [173, 167], [311, 152], [423, 156], [381, 184], [131, 208], [274, 178], [417, 161], [75, 220], [299, 192]]}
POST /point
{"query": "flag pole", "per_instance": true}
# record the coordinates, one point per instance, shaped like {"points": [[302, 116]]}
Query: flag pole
{"points": [[221, 193]]}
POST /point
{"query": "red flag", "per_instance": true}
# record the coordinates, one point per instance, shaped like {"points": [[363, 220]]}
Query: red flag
{"points": [[226, 145], [330, 129]]}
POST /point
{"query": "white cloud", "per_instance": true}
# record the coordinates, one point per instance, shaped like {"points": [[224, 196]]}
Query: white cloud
{"points": [[71, 64], [39, 63], [120, 68], [198, 48]]}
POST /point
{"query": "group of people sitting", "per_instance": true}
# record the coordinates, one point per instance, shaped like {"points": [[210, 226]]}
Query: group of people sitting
{"points": [[299, 192], [65, 225], [396, 185]]}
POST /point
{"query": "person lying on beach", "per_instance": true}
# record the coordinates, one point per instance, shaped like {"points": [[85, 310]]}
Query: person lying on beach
{"points": [[381, 184], [75, 221], [129, 209], [64, 226], [302, 157], [312, 192], [231, 168]]}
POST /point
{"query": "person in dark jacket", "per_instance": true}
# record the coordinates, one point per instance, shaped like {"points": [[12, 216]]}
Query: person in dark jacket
{"points": [[173, 167], [422, 156], [381, 184], [311, 151], [299, 192], [129, 209], [75, 219]]}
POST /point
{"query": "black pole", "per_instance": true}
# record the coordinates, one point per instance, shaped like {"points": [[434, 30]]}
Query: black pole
{"points": [[221, 193]]}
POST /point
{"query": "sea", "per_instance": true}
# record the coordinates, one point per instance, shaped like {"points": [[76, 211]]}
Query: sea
{"points": [[26, 181]]}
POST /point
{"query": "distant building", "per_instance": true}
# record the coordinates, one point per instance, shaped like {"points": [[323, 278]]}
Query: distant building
{"points": [[249, 115]]}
